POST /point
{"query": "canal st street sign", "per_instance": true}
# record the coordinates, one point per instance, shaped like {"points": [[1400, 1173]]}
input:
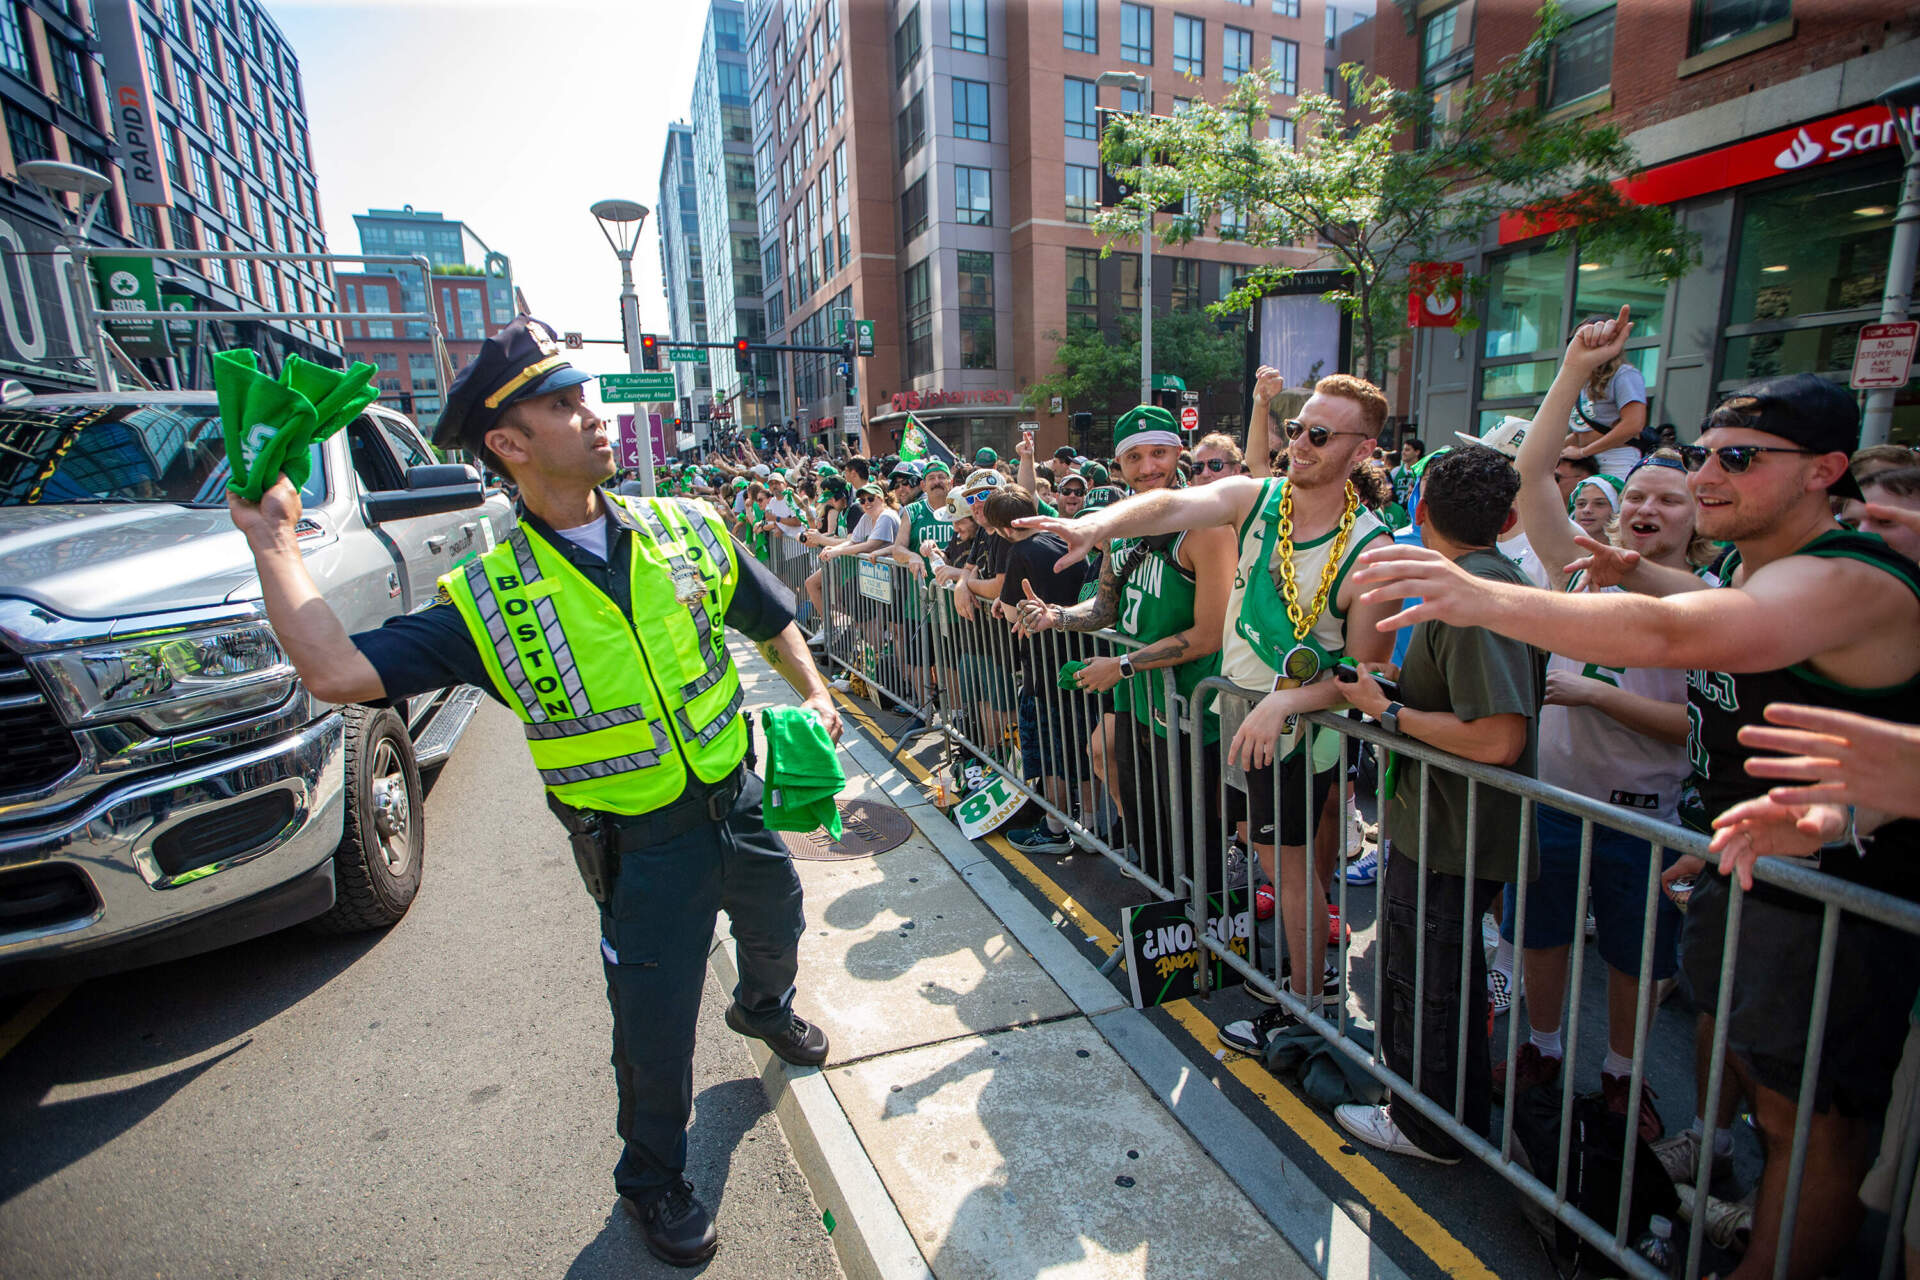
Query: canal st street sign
{"points": [[1806, 146], [686, 355]]}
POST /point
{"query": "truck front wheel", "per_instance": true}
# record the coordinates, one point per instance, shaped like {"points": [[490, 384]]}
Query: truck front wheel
{"points": [[376, 870]]}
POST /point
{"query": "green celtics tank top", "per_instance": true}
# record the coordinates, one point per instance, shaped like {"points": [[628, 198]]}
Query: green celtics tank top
{"points": [[1157, 602]]}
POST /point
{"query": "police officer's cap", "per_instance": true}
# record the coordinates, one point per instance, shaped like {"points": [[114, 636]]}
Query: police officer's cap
{"points": [[520, 361]]}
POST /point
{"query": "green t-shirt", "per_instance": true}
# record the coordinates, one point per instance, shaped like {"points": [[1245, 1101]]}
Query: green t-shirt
{"points": [[1158, 602], [922, 527], [757, 539], [1473, 673]]}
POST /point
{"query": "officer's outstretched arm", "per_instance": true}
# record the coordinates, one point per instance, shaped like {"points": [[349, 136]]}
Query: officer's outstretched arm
{"points": [[330, 665]]}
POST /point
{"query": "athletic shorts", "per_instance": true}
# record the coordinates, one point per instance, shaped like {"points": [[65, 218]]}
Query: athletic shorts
{"points": [[1293, 810], [1617, 883], [1139, 766], [1876, 970], [1044, 750]]}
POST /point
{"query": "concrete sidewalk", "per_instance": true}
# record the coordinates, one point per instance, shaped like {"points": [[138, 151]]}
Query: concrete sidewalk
{"points": [[993, 1106]]}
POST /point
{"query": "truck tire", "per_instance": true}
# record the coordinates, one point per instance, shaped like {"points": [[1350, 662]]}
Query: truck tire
{"points": [[376, 870]]}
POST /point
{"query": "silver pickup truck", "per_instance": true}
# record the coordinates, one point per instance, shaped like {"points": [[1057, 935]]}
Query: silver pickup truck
{"points": [[167, 785]]}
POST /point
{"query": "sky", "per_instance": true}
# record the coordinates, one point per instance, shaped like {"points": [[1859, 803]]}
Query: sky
{"points": [[511, 115]]}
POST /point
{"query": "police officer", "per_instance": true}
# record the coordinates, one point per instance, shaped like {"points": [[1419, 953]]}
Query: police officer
{"points": [[599, 621]]}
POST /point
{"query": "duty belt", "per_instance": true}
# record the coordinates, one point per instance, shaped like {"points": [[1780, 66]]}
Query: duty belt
{"points": [[631, 832]]}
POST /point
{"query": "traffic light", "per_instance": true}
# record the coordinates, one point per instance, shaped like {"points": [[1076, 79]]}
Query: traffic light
{"points": [[649, 351], [743, 355]]}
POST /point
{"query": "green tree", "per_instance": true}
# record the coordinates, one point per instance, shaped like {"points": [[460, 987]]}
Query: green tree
{"points": [[1388, 179], [1097, 370]]}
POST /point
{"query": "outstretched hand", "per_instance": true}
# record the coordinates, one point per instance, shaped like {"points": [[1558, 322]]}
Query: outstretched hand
{"points": [[1447, 593], [1604, 564], [1765, 828], [1838, 757], [1079, 535], [1035, 615]]}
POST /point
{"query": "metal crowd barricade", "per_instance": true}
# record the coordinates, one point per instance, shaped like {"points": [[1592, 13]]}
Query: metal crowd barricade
{"points": [[875, 626], [793, 564], [1548, 1189], [1111, 778]]}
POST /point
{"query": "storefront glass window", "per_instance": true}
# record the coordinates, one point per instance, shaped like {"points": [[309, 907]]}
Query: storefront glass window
{"points": [[1601, 288], [1524, 303], [1814, 246]]}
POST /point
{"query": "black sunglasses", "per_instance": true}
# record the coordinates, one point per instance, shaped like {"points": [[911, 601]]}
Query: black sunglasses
{"points": [[1734, 458], [1073, 493], [1221, 464], [1316, 435]]}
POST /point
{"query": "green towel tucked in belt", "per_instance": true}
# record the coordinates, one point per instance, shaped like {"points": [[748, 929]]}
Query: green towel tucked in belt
{"points": [[270, 426], [803, 772]]}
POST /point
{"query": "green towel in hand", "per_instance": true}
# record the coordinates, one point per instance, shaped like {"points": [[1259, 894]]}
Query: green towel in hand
{"points": [[270, 426], [803, 772]]}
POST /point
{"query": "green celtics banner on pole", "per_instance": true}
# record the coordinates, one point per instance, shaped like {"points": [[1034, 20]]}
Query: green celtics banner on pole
{"points": [[127, 284]]}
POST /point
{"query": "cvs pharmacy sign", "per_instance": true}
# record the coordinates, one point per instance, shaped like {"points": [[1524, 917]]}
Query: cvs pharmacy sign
{"points": [[1848, 133]]}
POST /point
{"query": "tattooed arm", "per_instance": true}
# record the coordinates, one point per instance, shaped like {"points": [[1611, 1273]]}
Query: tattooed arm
{"points": [[1099, 611]]}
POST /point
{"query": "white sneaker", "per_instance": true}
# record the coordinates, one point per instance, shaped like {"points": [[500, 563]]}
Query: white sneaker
{"points": [[1375, 1127], [1364, 869], [1356, 829], [843, 684]]}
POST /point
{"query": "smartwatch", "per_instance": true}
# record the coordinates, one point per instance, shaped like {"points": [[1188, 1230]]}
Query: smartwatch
{"points": [[1126, 666], [1390, 718]]}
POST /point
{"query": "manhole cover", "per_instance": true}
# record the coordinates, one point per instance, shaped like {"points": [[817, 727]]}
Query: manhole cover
{"points": [[867, 828]]}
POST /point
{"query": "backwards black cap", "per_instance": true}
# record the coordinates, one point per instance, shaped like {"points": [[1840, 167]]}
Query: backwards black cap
{"points": [[521, 360], [1818, 415]]}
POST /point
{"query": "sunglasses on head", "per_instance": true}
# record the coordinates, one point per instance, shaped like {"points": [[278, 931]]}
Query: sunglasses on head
{"points": [[1221, 464], [1734, 458], [1316, 435], [1672, 464]]}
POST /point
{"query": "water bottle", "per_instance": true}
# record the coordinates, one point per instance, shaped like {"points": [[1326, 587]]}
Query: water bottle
{"points": [[1657, 1245]]}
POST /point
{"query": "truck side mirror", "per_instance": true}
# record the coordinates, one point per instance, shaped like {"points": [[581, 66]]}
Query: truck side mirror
{"points": [[431, 490]]}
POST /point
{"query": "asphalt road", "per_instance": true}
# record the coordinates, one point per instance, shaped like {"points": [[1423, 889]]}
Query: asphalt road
{"points": [[431, 1101]]}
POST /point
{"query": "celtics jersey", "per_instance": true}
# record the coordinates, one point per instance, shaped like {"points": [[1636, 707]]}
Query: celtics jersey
{"points": [[1719, 703], [1157, 602], [922, 527]]}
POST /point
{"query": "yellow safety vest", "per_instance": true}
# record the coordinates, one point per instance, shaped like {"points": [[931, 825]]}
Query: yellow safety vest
{"points": [[616, 713]]}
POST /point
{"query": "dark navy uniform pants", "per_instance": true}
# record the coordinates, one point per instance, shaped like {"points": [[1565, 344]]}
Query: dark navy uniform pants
{"points": [[659, 927]]}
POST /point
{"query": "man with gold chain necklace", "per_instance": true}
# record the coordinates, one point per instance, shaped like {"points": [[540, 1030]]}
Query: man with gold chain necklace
{"points": [[1291, 617]]}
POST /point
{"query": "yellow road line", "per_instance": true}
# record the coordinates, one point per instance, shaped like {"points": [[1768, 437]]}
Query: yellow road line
{"points": [[1367, 1179], [1416, 1224], [29, 1016]]}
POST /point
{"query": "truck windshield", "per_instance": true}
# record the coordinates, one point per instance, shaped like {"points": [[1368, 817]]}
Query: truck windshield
{"points": [[67, 453]]}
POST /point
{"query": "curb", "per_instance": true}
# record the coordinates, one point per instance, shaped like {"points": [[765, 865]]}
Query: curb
{"points": [[869, 1236]]}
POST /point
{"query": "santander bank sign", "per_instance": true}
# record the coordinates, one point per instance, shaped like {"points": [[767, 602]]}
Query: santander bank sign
{"points": [[1849, 133]]}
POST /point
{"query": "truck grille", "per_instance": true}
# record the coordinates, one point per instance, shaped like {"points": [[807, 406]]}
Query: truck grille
{"points": [[35, 748]]}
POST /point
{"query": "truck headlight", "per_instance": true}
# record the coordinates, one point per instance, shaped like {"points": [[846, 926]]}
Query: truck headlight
{"points": [[171, 679]]}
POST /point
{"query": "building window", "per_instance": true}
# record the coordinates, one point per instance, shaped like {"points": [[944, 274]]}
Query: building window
{"points": [[1130, 100], [913, 209], [29, 135], [183, 92], [230, 196], [1129, 281], [217, 123], [202, 173], [13, 43], [1280, 129], [838, 91], [1717, 21], [1082, 108], [906, 44], [1446, 60], [1189, 45], [976, 310], [913, 125], [919, 317], [976, 280], [1285, 54], [1184, 293], [146, 227], [170, 14], [231, 62], [973, 196], [1083, 192], [1136, 33], [1083, 276], [182, 228], [970, 110], [1582, 59], [1080, 25], [1236, 53], [70, 77], [969, 19], [170, 148], [1286, 8]]}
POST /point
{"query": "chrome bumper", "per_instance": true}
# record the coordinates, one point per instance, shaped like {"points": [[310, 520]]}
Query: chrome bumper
{"points": [[111, 844]]}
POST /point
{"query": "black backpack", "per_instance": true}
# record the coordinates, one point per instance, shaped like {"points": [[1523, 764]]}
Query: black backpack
{"points": [[1594, 1159]]}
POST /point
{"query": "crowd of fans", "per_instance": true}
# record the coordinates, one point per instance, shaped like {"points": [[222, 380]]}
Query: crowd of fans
{"points": [[1723, 635]]}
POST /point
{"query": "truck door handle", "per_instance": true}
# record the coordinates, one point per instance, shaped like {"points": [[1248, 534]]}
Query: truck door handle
{"points": [[437, 543]]}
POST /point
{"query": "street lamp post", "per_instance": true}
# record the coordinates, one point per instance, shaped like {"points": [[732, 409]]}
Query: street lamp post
{"points": [[1143, 86], [617, 216], [50, 176], [1897, 296]]}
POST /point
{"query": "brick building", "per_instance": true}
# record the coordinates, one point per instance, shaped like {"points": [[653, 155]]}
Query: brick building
{"points": [[231, 128], [1756, 121], [931, 165]]}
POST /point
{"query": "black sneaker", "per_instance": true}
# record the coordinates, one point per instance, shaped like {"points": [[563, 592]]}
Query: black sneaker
{"points": [[1329, 983], [799, 1043], [676, 1226], [1252, 1035], [1038, 839]]}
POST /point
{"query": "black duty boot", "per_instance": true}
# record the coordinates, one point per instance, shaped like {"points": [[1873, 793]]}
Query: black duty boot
{"points": [[677, 1227], [798, 1042]]}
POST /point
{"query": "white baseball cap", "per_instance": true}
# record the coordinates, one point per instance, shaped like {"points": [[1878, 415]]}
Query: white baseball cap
{"points": [[1504, 437]]}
